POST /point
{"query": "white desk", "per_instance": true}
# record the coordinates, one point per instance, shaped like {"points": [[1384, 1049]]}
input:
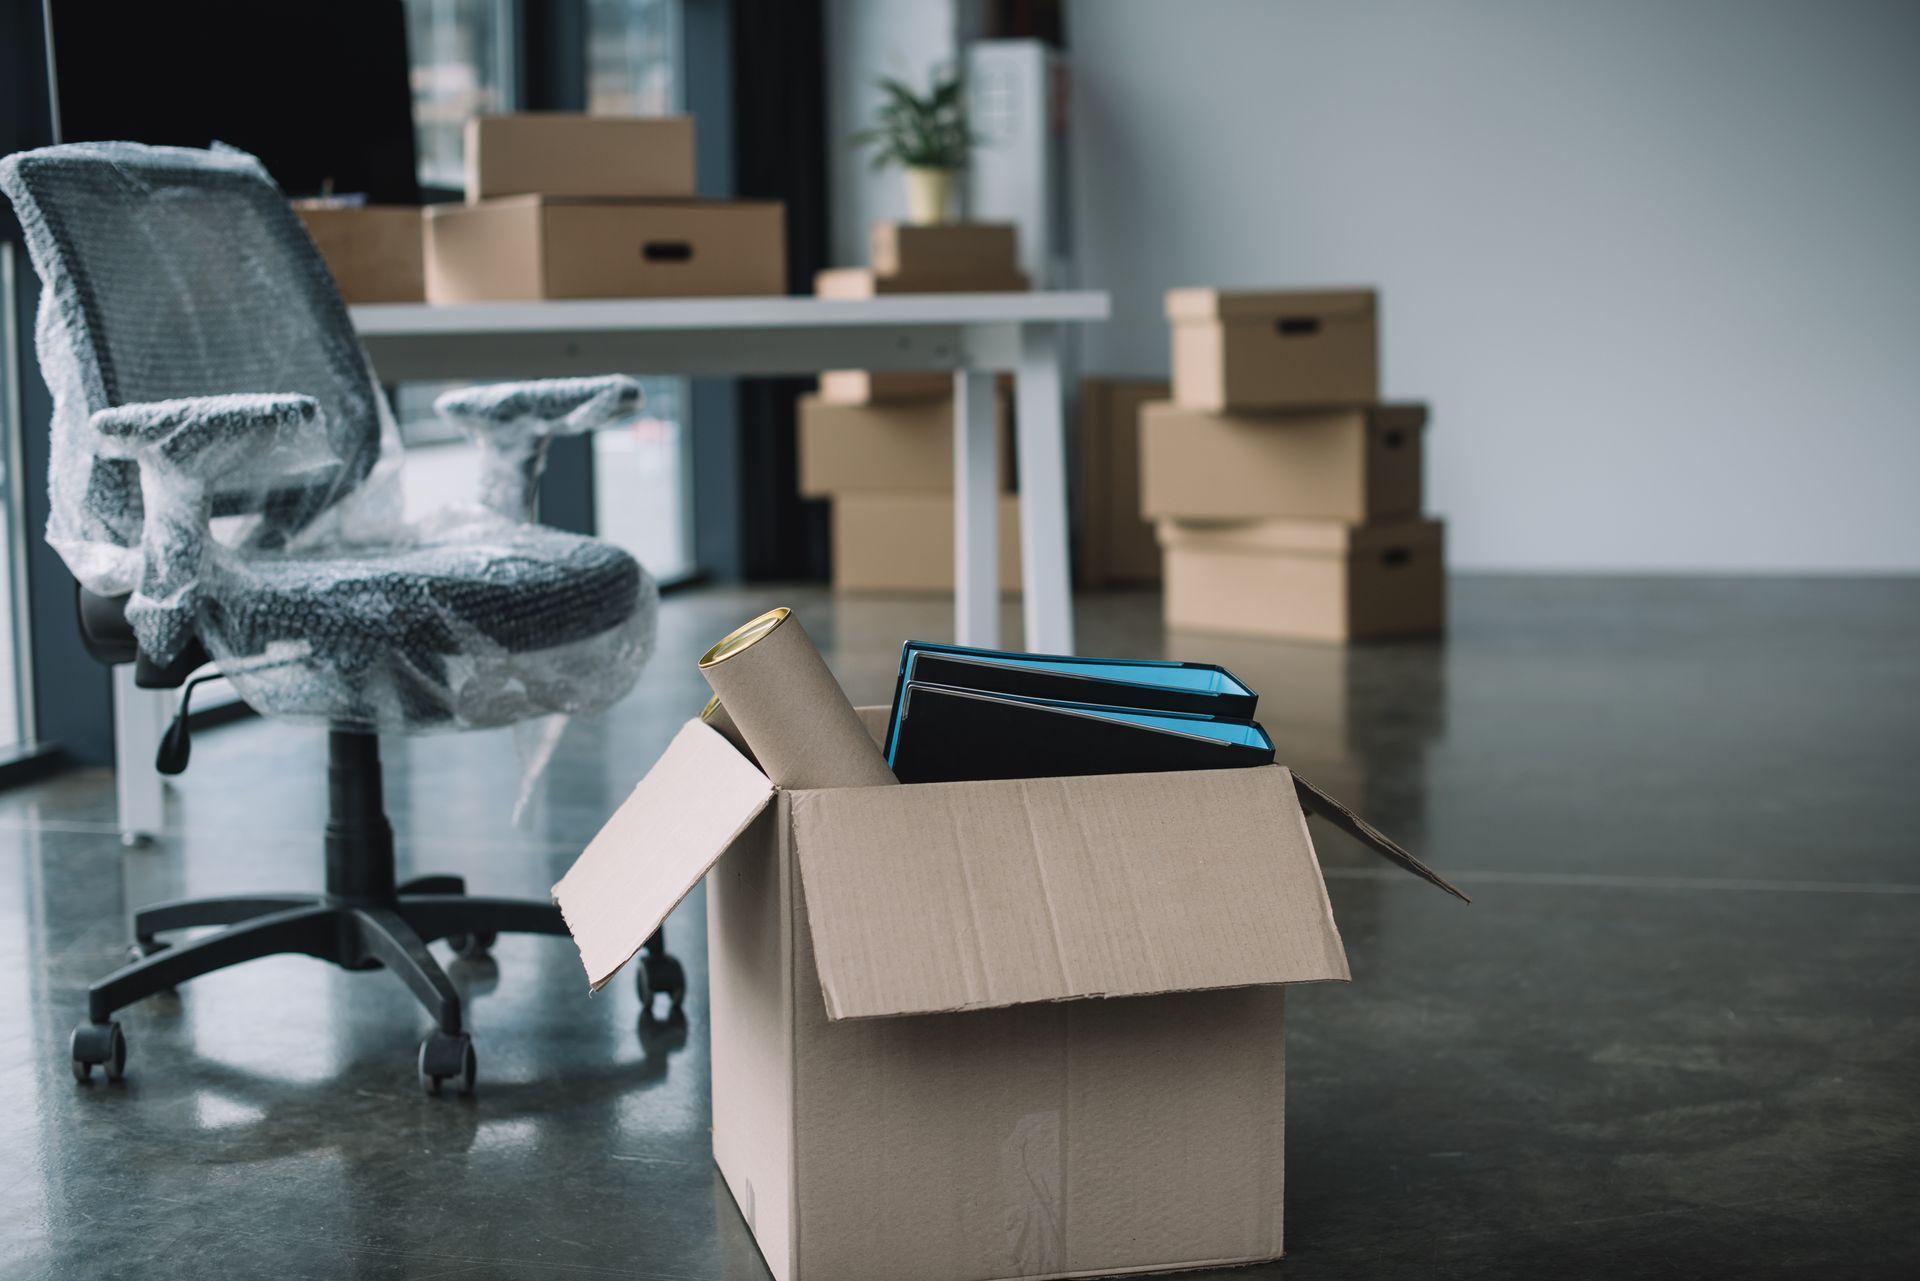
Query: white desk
{"points": [[974, 336]]}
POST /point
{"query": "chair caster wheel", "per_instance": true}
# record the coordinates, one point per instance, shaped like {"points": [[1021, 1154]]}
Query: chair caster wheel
{"points": [[477, 946], [447, 1058], [98, 1043], [657, 975]]}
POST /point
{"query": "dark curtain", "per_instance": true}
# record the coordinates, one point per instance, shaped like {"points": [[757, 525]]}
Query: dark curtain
{"points": [[780, 153]]}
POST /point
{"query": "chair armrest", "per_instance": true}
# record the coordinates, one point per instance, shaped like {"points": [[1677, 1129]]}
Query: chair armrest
{"points": [[182, 448], [515, 421]]}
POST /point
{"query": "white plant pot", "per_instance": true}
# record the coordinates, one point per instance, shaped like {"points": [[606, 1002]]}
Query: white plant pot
{"points": [[929, 191]]}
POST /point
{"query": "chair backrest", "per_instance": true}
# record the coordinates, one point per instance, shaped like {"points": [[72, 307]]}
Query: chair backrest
{"points": [[171, 272]]}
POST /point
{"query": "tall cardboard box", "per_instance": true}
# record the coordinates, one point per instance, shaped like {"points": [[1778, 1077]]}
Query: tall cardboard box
{"points": [[375, 253], [965, 1031], [884, 447], [903, 542], [1354, 465], [1274, 350], [1307, 579], [523, 248], [1114, 544], [557, 153]]}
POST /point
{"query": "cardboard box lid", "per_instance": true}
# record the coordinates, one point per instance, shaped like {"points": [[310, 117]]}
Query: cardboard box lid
{"points": [[694, 803], [1298, 537], [1192, 303], [960, 896]]}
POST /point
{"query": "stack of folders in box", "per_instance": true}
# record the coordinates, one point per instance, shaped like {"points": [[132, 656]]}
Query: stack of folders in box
{"points": [[963, 714], [1287, 498], [879, 445], [576, 206]]}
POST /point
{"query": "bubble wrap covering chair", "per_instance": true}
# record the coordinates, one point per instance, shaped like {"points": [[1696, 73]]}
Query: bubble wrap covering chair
{"points": [[224, 485]]}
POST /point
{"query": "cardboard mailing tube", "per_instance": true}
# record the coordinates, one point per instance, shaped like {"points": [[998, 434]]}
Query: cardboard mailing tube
{"points": [[716, 716], [789, 710]]}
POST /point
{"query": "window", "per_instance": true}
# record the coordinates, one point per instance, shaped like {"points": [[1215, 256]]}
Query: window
{"points": [[462, 66], [642, 473], [15, 726]]}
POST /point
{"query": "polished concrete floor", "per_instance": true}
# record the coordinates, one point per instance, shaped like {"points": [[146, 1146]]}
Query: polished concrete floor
{"points": [[1676, 1034]]}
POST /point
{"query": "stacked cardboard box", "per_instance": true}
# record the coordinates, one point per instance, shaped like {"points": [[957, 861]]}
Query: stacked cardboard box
{"points": [[1113, 545], [573, 206], [1287, 498], [373, 252], [879, 445]]}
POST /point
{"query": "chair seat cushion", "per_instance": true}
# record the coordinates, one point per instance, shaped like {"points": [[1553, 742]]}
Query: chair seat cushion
{"points": [[494, 586]]}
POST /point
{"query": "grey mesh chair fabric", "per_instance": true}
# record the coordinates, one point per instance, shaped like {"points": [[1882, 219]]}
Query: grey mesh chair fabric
{"points": [[222, 452]]}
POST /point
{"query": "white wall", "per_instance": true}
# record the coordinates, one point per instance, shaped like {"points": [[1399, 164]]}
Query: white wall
{"points": [[867, 39], [1655, 265]]}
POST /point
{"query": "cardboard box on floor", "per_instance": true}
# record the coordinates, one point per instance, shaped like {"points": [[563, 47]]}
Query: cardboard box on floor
{"points": [[906, 446], [903, 542], [558, 153], [1114, 545], [522, 248], [1278, 350], [1305, 579], [375, 253], [965, 1031], [865, 387], [1353, 465]]}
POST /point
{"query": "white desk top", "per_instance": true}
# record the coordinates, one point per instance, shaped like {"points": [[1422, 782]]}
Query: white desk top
{"points": [[375, 320]]}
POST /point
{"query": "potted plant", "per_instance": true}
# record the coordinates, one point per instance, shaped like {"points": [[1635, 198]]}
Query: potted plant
{"points": [[927, 137]]}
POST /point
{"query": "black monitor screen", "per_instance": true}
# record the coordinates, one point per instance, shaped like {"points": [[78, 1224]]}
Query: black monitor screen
{"points": [[318, 91]]}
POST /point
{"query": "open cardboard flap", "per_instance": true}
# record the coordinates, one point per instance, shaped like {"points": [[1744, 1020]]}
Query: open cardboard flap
{"points": [[1320, 805], [958, 896], [698, 797]]}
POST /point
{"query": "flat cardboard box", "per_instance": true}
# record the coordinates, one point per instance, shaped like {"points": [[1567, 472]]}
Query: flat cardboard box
{"points": [[375, 253], [903, 542], [1278, 350], [523, 248], [865, 387], [965, 1031], [1114, 544], [864, 282], [1354, 465], [1310, 580], [957, 253], [884, 447], [557, 153]]}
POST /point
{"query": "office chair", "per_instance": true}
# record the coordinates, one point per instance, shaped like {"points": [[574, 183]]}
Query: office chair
{"points": [[224, 486]]}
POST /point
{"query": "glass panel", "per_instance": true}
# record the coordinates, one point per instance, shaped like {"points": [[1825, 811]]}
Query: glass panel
{"points": [[633, 61], [641, 473], [460, 68], [13, 722]]}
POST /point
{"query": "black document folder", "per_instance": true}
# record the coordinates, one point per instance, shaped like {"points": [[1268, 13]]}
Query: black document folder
{"points": [[1195, 689], [945, 734]]}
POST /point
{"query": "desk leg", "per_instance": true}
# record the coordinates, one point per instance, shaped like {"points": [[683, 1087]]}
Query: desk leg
{"points": [[140, 717], [1047, 593], [976, 510]]}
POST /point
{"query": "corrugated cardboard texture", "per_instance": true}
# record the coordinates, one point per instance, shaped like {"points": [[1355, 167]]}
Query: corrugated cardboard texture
{"points": [[750, 1009], [375, 253], [1274, 350], [973, 895], [903, 542], [1085, 1138], [564, 154], [863, 282], [906, 446], [1346, 465], [696, 799], [954, 253], [1116, 547], [523, 248], [1387, 581]]}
